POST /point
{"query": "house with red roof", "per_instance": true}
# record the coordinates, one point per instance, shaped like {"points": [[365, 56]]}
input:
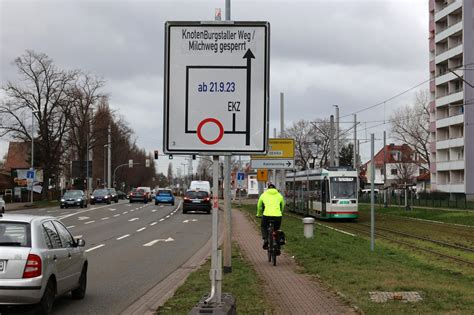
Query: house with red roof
{"points": [[402, 163]]}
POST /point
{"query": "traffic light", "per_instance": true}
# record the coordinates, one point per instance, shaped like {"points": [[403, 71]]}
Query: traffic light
{"points": [[170, 156], [156, 154]]}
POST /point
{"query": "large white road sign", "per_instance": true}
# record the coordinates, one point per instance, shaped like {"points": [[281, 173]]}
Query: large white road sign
{"points": [[216, 92]]}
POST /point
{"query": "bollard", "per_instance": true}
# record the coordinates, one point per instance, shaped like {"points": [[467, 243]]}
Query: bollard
{"points": [[308, 227]]}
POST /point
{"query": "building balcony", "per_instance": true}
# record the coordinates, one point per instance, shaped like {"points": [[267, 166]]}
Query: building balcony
{"points": [[453, 120], [450, 165], [450, 143], [450, 53], [448, 76], [450, 98], [449, 31], [450, 8], [452, 188]]}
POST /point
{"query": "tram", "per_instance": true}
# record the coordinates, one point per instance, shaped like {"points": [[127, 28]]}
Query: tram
{"points": [[323, 193]]}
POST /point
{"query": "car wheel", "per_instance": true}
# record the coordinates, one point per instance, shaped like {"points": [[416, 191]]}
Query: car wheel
{"points": [[45, 306], [108, 202], [131, 201], [62, 207], [172, 203], [80, 292], [208, 211], [116, 201], [92, 203], [184, 211], [82, 205]]}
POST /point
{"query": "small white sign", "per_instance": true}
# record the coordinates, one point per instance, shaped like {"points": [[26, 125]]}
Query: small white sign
{"points": [[273, 164]]}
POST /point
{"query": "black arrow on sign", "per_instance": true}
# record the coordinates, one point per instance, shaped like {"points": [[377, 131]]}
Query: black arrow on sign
{"points": [[288, 163], [248, 55]]}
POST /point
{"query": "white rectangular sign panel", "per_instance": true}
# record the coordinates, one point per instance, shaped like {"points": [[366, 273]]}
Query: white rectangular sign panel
{"points": [[216, 91], [273, 164]]}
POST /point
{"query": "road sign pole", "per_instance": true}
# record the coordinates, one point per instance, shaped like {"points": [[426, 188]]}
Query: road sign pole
{"points": [[372, 194], [227, 217]]}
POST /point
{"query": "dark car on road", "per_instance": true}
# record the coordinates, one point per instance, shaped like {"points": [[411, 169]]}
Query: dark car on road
{"points": [[101, 195], [196, 200], [121, 194], [139, 195], [164, 196], [73, 198], [113, 194]]}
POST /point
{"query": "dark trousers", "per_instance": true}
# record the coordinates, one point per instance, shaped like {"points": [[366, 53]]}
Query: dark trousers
{"points": [[265, 222]]}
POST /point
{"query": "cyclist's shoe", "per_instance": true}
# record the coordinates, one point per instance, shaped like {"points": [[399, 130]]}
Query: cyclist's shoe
{"points": [[277, 252], [265, 245]]}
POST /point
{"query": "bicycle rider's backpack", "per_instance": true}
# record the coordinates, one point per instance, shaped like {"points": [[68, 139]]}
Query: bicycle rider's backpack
{"points": [[282, 238]]}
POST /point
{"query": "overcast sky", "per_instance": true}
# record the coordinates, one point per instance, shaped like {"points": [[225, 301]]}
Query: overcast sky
{"points": [[354, 53]]}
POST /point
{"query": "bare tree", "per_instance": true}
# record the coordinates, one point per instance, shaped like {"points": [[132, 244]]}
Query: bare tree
{"points": [[406, 172], [301, 132], [42, 91], [170, 172], [410, 125], [204, 168]]}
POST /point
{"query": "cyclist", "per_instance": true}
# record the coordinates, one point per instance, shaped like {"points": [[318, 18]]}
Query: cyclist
{"points": [[271, 204]]}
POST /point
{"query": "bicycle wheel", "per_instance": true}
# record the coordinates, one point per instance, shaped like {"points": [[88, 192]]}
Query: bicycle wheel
{"points": [[274, 257], [270, 246]]}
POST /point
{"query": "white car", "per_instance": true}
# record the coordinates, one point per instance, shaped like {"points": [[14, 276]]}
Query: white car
{"points": [[2, 205], [39, 261]]}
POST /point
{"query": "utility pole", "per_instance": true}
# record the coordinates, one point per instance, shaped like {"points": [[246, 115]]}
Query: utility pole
{"points": [[355, 143], [331, 140], [109, 157], [282, 135], [372, 194], [337, 136], [385, 197]]}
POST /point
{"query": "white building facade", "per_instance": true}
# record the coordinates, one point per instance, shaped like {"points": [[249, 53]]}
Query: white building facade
{"points": [[451, 105]]}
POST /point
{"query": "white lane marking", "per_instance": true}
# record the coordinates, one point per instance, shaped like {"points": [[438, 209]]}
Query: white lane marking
{"points": [[83, 218], [194, 220], [151, 243], [106, 218], [133, 219], [167, 216], [51, 211], [91, 249], [79, 212], [89, 222], [41, 209], [153, 223], [162, 219], [133, 210], [185, 221], [154, 210], [143, 228], [161, 206], [122, 237], [169, 239], [77, 236], [129, 205], [116, 215], [125, 212], [71, 226], [111, 209]]}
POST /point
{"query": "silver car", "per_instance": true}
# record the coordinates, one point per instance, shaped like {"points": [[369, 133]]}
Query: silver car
{"points": [[2, 205], [39, 260]]}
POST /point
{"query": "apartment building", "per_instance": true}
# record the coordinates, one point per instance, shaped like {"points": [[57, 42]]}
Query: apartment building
{"points": [[451, 39]]}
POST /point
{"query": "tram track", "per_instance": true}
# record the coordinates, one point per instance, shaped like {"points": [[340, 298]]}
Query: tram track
{"points": [[439, 254]]}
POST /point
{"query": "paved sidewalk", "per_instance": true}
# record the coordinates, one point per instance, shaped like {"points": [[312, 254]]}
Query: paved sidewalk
{"points": [[293, 292]]}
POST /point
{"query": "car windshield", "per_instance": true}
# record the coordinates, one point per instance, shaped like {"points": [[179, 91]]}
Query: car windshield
{"points": [[15, 234], [72, 194], [112, 190], [196, 194], [100, 192], [164, 192]]}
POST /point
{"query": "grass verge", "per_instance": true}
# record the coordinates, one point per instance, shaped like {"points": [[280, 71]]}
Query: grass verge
{"points": [[347, 265], [464, 217], [243, 283]]}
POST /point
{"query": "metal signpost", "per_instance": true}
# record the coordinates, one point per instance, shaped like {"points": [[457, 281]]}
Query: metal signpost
{"points": [[216, 100]]}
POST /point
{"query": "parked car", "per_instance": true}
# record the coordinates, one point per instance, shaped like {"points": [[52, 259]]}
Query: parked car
{"points": [[138, 195], [2, 205], [72, 198], [101, 195], [164, 196], [196, 200], [147, 191], [121, 194], [113, 194], [39, 261]]}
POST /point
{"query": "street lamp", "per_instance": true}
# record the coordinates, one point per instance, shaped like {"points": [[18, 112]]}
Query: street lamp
{"points": [[105, 165], [33, 112]]}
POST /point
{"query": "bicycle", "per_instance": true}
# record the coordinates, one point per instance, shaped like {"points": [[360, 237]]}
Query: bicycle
{"points": [[273, 237]]}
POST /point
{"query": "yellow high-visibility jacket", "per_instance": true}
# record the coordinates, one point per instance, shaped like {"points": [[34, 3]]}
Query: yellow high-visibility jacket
{"points": [[271, 203]]}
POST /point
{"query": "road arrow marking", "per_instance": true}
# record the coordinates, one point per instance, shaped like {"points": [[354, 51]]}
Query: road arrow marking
{"points": [[151, 243], [169, 239]]}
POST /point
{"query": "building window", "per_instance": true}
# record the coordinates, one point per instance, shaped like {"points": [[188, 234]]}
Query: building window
{"points": [[394, 171]]}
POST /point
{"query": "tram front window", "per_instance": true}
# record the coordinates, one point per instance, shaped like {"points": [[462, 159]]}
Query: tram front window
{"points": [[343, 188]]}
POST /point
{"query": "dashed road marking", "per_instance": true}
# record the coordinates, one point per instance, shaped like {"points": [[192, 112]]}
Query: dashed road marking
{"points": [[106, 218], [133, 219], [116, 215], [77, 236], [162, 219], [143, 228], [93, 248], [151, 243], [125, 212], [111, 209], [89, 222], [122, 237], [154, 210], [153, 223], [83, 218], [71, 226]]}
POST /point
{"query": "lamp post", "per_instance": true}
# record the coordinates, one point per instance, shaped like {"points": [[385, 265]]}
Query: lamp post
{"points": [[33, 112], [105, 165]]}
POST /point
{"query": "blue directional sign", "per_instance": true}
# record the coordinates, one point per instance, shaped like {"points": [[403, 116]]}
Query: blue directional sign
{"points": [[240, 176], [30, 174]]}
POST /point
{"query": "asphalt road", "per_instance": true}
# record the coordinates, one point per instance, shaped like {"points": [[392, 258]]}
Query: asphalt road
{"points": [[130, 248]]}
